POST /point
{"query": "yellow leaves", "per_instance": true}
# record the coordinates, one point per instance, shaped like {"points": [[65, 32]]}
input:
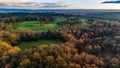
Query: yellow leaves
{"points": [[89, 47], [77, 57], [44, 46], [96, 49], [65, 65], [77, 66], [50, 58], [14, 50], [68, 49], [5, 26], [9, 37], [36, 55], [88, 58], [99, 61], [25, 62], [44, 53], [68, 36], [13, 37], [59, 58], [74, 65], [81, 41], [83, 54], [5, 48], [4, 57], [93, 65], [71, 65], [115, 61], [87, 65]]}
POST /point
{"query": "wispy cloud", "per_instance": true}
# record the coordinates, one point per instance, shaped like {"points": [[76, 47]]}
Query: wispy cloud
{"points": [[14, 1], [117, 1], [28, 4]]}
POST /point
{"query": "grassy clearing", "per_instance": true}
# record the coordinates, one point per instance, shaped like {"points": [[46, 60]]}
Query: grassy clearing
{"points": [[59, 20], [34, 25], [27, 45], [84, 22]]}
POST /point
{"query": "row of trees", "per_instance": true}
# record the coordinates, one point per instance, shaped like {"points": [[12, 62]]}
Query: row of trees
{"points": [[15, 37], [20, 17]]}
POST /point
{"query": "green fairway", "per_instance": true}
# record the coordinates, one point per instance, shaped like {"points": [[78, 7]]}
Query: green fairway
{"points": [[27, 45], [34, 25]]}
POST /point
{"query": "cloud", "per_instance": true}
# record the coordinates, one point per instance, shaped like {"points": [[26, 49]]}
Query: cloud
{"points": [[13, 1], [117, 1], [28, 4]]}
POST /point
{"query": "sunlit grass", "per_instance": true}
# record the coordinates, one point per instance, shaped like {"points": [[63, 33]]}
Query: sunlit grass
{"points": [[34, 25]]}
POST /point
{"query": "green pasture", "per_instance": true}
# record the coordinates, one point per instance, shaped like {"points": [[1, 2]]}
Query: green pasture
{"points": [[84, 22], [34, 25]]}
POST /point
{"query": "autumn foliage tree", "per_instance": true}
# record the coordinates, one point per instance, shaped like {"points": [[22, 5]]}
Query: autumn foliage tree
{"points": [[53, 56]]}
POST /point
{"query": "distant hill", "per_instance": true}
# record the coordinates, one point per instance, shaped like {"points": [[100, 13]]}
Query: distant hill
{"points": [[86, 13], [56, 10]]}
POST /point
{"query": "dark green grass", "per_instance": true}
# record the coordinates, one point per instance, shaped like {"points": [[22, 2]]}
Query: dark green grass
{"points": [[27, 45], [59, 20]]}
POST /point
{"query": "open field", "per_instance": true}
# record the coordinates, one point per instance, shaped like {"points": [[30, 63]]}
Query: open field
{"points": [[27, 45], [34, 25], [59, 20], [84, 22]]}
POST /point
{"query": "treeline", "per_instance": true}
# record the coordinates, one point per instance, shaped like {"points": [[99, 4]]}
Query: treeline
{"points": [[15, 37], [20, 17], [112, 16]]}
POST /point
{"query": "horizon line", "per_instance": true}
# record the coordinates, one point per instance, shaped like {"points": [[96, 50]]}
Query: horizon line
{"points": [[60, 9]]}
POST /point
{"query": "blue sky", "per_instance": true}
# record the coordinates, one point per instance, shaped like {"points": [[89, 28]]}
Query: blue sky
{"points": [[61, 4]]}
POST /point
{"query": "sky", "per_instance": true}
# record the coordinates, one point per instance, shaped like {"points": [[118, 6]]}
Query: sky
{"points": [[61, 4]]}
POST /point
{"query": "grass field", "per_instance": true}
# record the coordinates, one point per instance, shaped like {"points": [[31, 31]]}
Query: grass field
{"points": [[84, 22], [27, 45], [34, 25], [59, 20]]}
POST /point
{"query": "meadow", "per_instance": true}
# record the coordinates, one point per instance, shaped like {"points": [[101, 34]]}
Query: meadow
{"points": [[43, 26], [40, 26], [35, 25]]}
